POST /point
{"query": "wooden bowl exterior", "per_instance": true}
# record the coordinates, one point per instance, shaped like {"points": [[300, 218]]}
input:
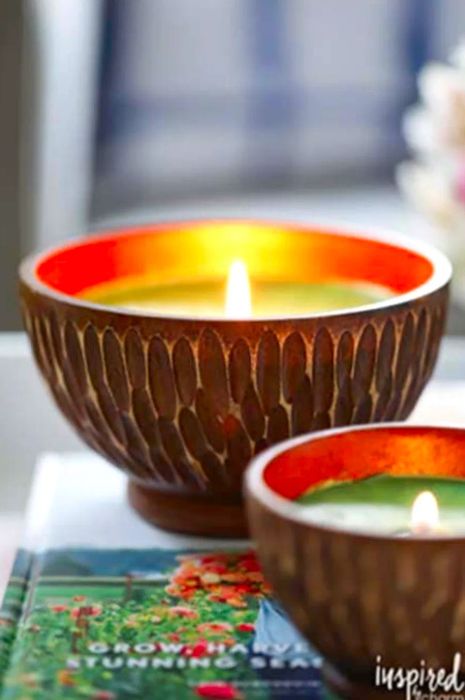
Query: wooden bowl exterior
{"points": [[182, 405], [359, 597]]}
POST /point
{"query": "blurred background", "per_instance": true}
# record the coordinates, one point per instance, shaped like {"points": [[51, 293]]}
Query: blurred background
{"points": [[126, 110], [117, 111]]}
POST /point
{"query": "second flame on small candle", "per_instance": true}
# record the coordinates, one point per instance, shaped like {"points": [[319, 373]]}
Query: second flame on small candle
{"points": [[424, 519], [238, 302]]}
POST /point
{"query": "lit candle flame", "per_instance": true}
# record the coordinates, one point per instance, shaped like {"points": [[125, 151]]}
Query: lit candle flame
{"points": [[238, 303], [425, 514]]}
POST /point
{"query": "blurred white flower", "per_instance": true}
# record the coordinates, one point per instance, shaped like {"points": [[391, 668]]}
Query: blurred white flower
{"points": [[434, 130], [418, 130], [434, 181], [442, 89], [428, 191], [457, 57]]}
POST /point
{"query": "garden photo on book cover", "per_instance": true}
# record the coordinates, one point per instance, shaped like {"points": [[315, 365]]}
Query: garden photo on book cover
{"points": [[117, 624]]}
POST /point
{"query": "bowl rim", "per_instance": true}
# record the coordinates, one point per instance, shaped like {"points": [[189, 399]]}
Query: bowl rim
{"points": [[439, 278], [256, 488]]}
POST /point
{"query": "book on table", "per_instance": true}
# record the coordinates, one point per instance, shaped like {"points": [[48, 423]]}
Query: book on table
{"points": [[101, 605]]}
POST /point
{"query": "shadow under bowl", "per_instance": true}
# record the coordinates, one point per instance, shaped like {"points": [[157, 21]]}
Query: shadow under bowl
{"points": [[358, 597], [183, 403]]}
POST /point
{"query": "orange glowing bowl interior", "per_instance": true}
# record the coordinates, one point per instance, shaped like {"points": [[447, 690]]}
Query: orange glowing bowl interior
{"points": [[180, 251], [359, 454]]}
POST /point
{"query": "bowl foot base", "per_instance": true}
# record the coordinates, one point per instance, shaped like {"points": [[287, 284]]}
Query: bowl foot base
{"points": [[187, 514], [345, 688]]}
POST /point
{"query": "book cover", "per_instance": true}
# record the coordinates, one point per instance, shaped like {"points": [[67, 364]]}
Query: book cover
{"points": [[183, 618]]}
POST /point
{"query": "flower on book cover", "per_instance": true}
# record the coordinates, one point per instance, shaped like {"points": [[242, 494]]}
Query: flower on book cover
{"points": [[218, 690], [59, 608], [245, 627], [197, 649], [183, 611], [214, 627], [86, 611], [227, 577], [66, 677]]}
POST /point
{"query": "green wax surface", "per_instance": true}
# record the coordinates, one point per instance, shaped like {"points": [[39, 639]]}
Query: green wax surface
{"points": [[383, 504], [206, 297]]}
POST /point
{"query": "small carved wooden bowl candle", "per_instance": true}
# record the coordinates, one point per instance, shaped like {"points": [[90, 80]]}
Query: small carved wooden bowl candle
{"points": [[361, 532], [179, 378]]}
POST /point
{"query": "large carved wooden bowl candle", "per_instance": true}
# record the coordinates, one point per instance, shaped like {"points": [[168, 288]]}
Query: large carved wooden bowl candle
{"points": [[361, 532], [180, 388]]}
